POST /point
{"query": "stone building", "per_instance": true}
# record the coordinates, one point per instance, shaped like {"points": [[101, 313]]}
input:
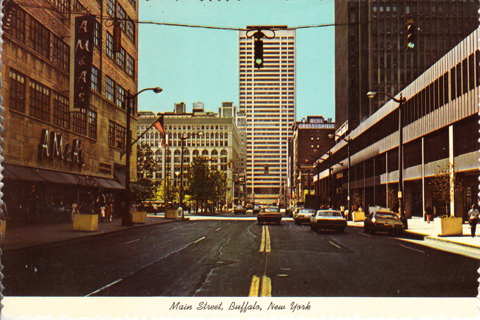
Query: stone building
{"points": [[57, 149]]}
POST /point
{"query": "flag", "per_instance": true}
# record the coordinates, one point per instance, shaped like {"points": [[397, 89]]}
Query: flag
{"points": [[159, 125]]}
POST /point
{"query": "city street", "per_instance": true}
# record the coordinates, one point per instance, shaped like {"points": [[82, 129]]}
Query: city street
{"points": [[234, 256]]}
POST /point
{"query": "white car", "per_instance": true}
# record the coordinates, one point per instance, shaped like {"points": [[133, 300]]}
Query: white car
{"points": [[302, 215]]}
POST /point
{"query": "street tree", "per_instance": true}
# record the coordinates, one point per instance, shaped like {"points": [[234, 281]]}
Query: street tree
{"points": [[445, 185]]}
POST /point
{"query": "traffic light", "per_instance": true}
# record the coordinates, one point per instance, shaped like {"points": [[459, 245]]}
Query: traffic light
{"points": [[258, 59], [265, 169], [411, 28]]}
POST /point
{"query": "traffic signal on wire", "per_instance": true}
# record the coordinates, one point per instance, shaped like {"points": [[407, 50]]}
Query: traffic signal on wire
{"points": [[411, 28], [258, 58]]}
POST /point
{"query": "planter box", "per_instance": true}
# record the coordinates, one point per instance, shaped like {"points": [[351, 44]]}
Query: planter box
{"points": [[358, 216], [448, 226], [139, 216], [85, 222], [171, 214], [3, 228]]}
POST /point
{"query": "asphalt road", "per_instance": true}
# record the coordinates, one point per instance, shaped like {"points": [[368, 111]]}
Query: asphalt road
{"points": [[238, 258]]}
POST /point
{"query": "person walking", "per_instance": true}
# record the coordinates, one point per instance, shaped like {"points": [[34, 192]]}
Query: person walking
{"points": [[429, 213], [473, 216]]}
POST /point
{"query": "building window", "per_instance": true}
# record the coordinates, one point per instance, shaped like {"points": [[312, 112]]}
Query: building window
{"points": [[111, 7], [121, 58], [96, 79], [61, 114], [109, 88], [39, 101], [79, 122], [17, 91], [17, 23], [130, 65], [97, 34], [92, 124], [120, 97], [116, 135], [130, 32], [111, 133], [40, 38], [60, 53], [109, 47]]}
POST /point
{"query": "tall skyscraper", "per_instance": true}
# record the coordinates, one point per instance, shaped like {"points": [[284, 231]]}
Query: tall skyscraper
{"points": [[371, 51], [267, 97]]}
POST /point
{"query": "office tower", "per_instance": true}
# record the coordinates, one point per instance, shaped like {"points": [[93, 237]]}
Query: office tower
{"points": [[267, 97], [371, 52]]}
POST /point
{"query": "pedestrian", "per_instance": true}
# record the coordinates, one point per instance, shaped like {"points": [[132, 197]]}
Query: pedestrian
{"points": [[74, 209], [4, 214], [101, 205], [108, 213], [473, 216], [429, 213]]}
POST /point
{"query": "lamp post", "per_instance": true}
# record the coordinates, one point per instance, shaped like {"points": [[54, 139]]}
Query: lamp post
{"points": [[126, 216], [401, 101], [347, 140]]}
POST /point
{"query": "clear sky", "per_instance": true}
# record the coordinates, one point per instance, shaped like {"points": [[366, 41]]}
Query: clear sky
{"points": [[198, 64]]}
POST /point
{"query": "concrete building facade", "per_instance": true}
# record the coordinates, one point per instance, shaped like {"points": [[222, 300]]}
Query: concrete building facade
{"points": [[267, 98]]}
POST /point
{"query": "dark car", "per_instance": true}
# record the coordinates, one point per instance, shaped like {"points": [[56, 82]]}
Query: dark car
{"points": [[303, 215], [328, 219], [239, 210], [269, 214], [256, 209], [382, 219]]}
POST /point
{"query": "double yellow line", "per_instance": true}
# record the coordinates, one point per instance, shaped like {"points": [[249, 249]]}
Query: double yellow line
{"points": [[262, 286], [265, 244]]}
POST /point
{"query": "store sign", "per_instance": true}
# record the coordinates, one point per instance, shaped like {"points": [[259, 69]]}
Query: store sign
{"points": [[52, 147], [84, 32]]}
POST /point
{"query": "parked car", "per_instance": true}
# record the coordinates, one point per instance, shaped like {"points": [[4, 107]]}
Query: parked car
{"points": [[239, 210], [269, 214], [256, 209], [303, 215], [288, 211], [382, 219], [328, 219]]}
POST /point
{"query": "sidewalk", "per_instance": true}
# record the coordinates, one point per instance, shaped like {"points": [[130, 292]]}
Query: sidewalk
{"points": [[427, 236], [20, 237]]}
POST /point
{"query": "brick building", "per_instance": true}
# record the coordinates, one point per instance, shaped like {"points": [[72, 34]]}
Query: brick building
{"points": [[56, 153]]}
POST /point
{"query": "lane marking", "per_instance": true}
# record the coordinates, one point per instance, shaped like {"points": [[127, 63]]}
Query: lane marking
{"points": [[282, 275], [335, 245], [262, 241], [411, 248], [254, 287], [218, 229], [266, 290], [103, 288], [199, 239], [364, 234], [267, 240], [132, 241]]}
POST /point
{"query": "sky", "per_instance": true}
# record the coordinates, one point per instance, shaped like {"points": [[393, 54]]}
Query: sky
{"points": [[194, 64]]}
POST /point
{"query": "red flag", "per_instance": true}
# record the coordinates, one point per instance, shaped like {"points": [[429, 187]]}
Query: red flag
{"points": [[159, 125], [165, 141]]}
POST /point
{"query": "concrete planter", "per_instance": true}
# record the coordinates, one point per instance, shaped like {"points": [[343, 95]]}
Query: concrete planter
{"points": [[139, 216], [358, 216], [449, 226], [85, 222], [172, 214], [3, 228]]}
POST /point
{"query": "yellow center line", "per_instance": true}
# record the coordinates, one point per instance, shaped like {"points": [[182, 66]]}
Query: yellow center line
{"points": [[254, 287], [262, 242], [267, 240], [266, 290]]}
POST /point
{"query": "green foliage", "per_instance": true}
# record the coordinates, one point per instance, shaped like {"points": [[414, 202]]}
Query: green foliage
{"points": [[143, 190], [167, 191], [441, 187]]}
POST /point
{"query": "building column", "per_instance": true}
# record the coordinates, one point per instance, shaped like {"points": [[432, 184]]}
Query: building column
{"points": [[451, 169], [423, 178]]}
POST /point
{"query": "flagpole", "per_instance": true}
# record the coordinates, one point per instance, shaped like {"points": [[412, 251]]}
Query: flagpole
{"points": [[147, 130]]}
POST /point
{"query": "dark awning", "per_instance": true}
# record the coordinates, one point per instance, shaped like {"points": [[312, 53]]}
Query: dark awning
{"points": [[16, 172]]}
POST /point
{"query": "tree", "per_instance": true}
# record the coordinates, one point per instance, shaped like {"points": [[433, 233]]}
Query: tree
{"points": [[444, 185], [167, 191]]}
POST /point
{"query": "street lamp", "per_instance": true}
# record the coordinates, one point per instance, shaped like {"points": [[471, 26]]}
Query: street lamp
{"points": [[401, 101], [126, 216], [347, 140]]}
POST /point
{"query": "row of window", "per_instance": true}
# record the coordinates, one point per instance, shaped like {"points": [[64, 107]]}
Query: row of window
{"points": [[43, 103], [116, 135], [124, 60], [27, 30], [114, 9]]}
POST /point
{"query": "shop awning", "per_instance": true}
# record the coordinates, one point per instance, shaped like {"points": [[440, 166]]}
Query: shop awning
{"points": [[16, 172]]}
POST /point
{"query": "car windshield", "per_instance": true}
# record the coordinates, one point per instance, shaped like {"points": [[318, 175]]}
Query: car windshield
{"points": [[306, 210], [270, 209], [329, 214], [386, 215]]}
